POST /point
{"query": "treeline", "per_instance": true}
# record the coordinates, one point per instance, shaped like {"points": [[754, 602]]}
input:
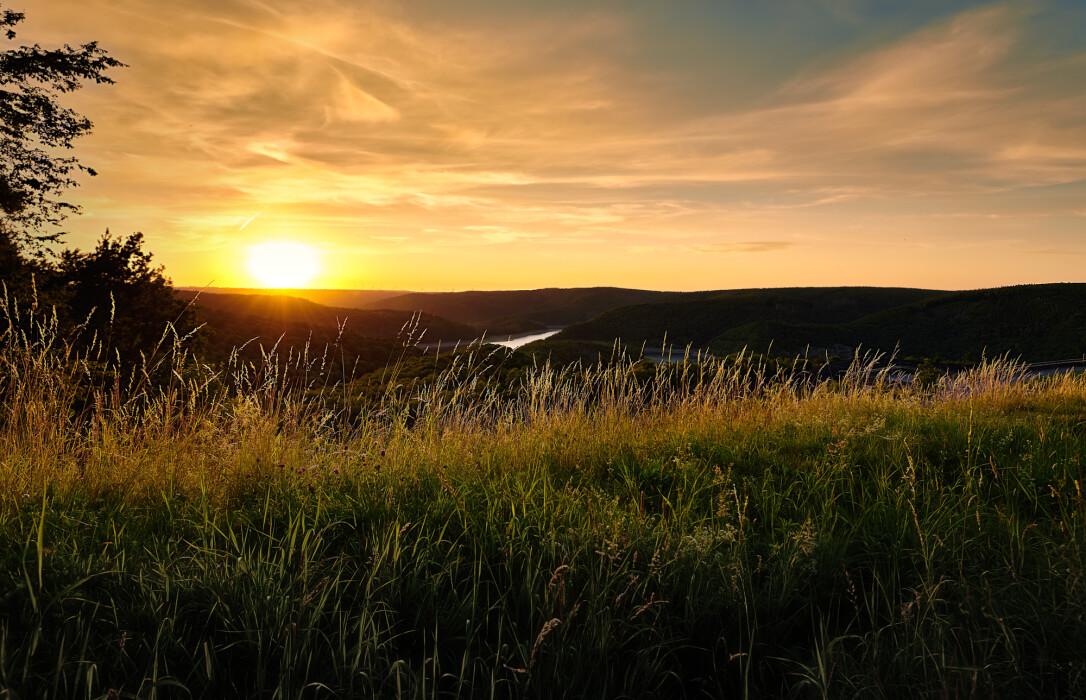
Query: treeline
{"points": [[111, 297]]}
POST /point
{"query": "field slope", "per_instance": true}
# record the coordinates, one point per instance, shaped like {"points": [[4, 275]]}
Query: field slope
{"points": [[613, 530]]}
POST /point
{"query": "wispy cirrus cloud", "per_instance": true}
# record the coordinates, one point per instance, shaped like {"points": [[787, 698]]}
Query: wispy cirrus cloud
{"points": [[743, 247], [730, 248], [1058, 251], [532, 126]]}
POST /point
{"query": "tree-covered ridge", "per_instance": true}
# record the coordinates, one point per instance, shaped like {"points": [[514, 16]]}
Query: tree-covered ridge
{"points": [[516, 311], [697, 318], [1034, 322]]}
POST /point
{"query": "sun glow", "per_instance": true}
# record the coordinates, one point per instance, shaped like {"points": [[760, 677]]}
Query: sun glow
{"points": [[282, 264]]}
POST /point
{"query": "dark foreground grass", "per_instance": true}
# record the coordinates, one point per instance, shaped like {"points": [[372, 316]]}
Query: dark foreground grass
{"points": [[590, 537]]}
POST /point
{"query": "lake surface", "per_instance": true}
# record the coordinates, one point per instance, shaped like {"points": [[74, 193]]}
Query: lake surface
{"points": [[515, 341]]}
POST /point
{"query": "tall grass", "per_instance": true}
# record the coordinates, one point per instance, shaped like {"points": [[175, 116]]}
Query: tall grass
{"points": [[710, 529]]}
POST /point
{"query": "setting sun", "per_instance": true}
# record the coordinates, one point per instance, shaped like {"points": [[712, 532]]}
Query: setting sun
{"points": [[282, 264]]}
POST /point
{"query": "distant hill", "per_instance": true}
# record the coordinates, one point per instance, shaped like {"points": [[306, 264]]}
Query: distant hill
{"points": [[521, 310], [696, 319], [346, 298], [369, 340], [286, 311], [1031, 322], [1034, 322]]}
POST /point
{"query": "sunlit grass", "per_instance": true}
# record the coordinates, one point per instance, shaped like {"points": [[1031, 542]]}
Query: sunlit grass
{"points": [[708, 530]]}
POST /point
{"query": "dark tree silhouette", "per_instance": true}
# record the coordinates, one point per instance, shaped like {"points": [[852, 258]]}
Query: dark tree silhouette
{"points": [[17, 274], [122, 301], [34, 126], [125, 301]]}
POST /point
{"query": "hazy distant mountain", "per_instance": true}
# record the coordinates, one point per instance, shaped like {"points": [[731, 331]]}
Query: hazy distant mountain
{"points": [[285, 312], [346, 298], [1034, 322], [310, 336], [521, 310]]}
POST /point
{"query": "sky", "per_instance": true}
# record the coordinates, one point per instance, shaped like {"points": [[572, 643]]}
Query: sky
{"points": [[656, 144]]}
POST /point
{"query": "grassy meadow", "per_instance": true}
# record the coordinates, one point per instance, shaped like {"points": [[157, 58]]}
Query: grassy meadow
{"points": [[711, 529]]}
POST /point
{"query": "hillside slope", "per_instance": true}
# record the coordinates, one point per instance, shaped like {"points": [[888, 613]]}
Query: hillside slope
{"points": [[522, 310], [346, 298], [283, 312], [697, 320], [1031, 322]]}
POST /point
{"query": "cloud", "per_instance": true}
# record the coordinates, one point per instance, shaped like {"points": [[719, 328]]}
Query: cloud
{"points": [[743, 247], [554, 125], [1058, 251], [498, 234], [947, 108], [551, 101], [354, 105], [736, 247]]}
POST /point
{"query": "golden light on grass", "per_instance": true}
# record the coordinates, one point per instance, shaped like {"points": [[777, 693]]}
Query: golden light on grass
{"points": [[282, 264]]}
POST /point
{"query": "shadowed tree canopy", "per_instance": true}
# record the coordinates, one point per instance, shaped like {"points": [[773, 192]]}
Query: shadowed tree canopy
{"points": [[124, 299], [35, 129]]}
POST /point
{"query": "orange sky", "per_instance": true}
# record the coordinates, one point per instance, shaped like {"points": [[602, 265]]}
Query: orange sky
{"points": [[495, 145]]}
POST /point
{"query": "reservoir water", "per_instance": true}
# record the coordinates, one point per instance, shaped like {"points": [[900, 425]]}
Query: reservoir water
{"points": [[515, 341], [509, 341]]}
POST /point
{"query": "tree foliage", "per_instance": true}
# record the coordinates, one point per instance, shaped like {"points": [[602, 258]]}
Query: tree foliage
{"points": [[122, 298], [112, 295], [35, 129]]}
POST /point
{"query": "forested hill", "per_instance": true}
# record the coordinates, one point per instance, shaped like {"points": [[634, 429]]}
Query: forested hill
{"points": [[1030, 322], [344, 298], [278, 313], [1033, 322], [698, 320], [523, 310]]}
